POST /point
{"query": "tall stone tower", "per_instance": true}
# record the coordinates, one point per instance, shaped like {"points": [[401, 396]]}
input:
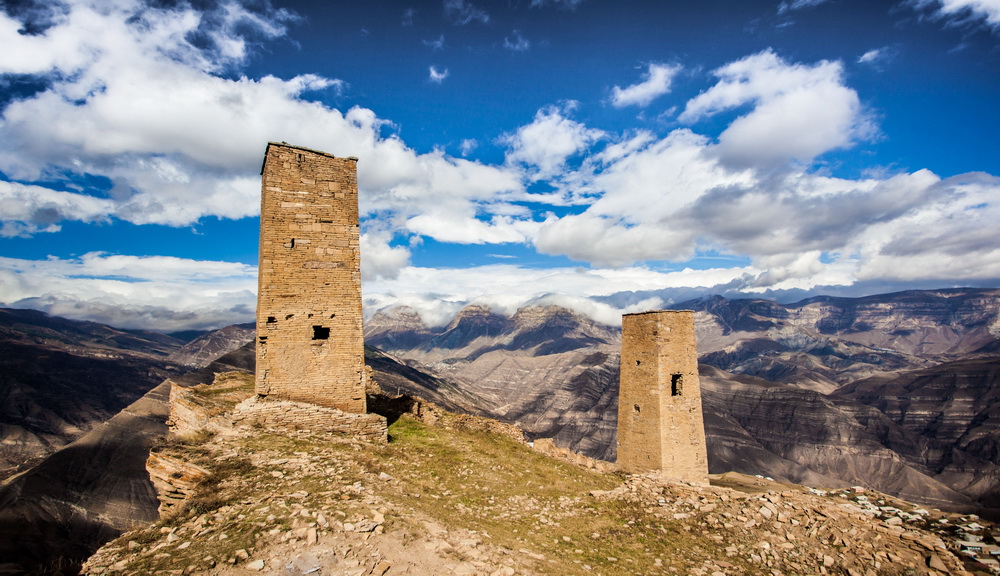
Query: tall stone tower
{"points": [[310, 345], [660, 425]]}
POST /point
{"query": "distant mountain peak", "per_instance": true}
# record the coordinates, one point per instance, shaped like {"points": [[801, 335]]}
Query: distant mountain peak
{"points": [[400, 317]]}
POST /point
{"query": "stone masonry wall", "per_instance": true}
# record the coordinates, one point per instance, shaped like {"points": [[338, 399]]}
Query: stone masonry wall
{"points": [[286, 414], [660, 423], [310, 344]]}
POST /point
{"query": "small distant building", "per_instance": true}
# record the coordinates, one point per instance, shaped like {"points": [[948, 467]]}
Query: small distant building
{"points": [[660, 423]]}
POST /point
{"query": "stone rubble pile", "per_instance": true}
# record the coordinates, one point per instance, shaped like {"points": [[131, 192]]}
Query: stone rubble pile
{"points": [[791, 531]]}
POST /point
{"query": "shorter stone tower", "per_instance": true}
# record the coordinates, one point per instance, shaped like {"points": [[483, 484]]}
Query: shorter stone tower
{"points": [[310, 346], [660, 424]]}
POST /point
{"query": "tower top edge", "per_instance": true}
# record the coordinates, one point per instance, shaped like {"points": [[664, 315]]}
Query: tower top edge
{"points": [[647, 312], [303, 149]]}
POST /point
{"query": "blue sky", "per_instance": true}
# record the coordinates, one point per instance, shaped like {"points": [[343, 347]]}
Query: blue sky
{"points": [[511, 152]]}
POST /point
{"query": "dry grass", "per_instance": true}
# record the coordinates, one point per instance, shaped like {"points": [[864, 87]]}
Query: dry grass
{"points": [[516, 499], [526, 501]]}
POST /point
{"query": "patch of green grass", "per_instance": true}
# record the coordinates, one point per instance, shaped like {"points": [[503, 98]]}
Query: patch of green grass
{"points": [[524, 500]]}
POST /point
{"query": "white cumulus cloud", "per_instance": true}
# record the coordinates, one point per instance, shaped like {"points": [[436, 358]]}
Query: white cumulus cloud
{"points": [[798, 111], [656, 82], [129, 97], [26, 210], [548, 142], [158, 292]]}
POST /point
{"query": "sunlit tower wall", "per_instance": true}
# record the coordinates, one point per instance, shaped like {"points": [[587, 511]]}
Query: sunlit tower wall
{"points": [[660, 423], [310, 346]]}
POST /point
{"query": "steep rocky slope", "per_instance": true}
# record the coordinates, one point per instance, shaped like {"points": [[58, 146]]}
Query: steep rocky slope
{"points": [[61, 378], [954, 410], [755, 426], [548, 369], [55, 514]]}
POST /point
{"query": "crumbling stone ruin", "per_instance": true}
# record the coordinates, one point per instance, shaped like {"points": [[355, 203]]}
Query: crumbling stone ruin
{"points": [[310, 346], [660, 424]]}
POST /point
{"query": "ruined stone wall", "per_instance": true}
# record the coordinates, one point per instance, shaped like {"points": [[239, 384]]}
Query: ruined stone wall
{"points": [[548, 447], [660, 424], [290, 415], [310, 344]]}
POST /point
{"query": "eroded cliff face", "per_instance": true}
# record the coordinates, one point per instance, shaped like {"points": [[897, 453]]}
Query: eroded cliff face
{"points": [[955, 409], [204, 349], [823, 343], [548, 369], [811, 438]]}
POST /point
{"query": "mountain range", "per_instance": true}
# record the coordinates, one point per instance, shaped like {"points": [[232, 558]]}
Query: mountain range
{"points": [[897, 392]]}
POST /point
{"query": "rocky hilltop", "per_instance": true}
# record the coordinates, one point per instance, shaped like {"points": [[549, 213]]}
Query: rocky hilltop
{"points": [[782, 384], [57, 512], [452, 497]]}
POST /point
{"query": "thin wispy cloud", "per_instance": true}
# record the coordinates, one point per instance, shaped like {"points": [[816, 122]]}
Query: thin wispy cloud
{"points": [[408, 15], [435, 45], [567, 4], [871, 56], [437, 76], [878, 57], [963, 12], [516, 42], [784, 7], [656, 82], [468, 146], [461, 12]]}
